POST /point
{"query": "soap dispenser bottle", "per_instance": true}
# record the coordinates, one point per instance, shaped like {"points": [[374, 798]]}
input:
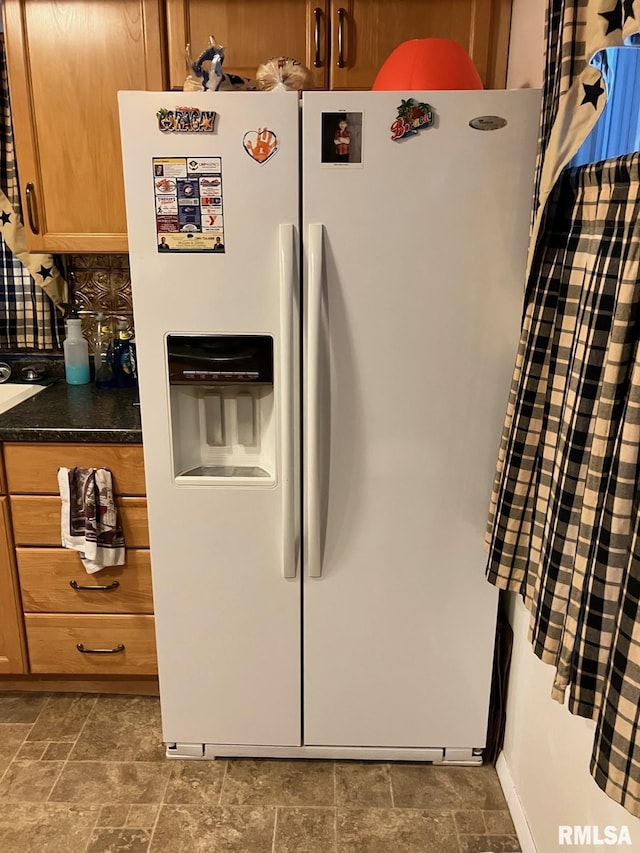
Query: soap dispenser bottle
{"points": [[76, 352]]}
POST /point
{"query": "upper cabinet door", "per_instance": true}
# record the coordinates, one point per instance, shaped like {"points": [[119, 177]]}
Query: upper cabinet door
{"points": [[67, 60], [251, 32], [364, 32]]}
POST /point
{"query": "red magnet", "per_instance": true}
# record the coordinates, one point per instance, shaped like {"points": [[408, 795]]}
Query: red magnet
{"points": [[412, 116]]}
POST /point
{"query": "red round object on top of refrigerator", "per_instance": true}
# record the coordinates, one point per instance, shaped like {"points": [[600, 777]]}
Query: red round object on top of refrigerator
{"points": [[428, 64]]}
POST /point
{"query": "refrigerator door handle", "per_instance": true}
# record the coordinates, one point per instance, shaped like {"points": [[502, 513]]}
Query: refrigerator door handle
{"points": [[287, 285], [312, 421]]}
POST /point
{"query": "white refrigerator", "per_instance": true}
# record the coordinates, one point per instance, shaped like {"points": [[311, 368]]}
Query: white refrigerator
{"points": [[326, 324]]}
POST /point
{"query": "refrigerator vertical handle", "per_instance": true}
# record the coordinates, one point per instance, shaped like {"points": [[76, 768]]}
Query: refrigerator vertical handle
{"points": [[312, 420], [287, 280]]}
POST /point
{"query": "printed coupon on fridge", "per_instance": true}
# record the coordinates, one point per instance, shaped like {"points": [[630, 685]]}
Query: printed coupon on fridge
{"points": [[188, 200]]}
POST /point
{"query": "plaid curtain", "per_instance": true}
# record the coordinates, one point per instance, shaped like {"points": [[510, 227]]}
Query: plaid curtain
{"points": [[564, 527], [28, 319]]}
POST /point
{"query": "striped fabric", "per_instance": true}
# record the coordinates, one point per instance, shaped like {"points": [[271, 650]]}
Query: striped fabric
{"points": [[565, 503], [564, 528], [28, 319], [616, 753]]}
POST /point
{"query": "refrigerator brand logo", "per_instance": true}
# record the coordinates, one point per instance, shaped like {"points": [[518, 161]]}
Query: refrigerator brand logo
{"points": [[186, 120], [488, 123], [595, 836], [412, 117]]}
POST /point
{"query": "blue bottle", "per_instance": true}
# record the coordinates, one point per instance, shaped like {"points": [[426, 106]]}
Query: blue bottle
{"points": [[123, 359]]}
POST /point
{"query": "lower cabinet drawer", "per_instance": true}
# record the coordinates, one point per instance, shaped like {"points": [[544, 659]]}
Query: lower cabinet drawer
{"points": [[32, 467], [37, 520], [55, 644], [54, 580]]}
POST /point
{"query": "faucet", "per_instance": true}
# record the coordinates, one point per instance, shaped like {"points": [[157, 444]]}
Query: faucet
{"points": [[32, 374]]}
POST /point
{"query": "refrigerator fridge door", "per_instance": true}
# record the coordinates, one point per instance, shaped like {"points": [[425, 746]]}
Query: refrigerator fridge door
{"points": [[416, 257], [216, 327]]}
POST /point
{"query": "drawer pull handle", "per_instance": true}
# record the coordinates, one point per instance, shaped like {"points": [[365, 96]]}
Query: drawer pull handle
{"points": [[317, 14], [341, 16], [118, 648], [32, 210], [76, 585]]}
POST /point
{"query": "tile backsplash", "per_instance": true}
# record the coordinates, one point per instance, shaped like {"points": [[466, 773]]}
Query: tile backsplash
{"points": [[101, 283]]}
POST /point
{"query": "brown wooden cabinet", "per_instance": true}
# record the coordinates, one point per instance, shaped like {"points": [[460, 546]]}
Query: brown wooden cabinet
{"points": [[251, 31], [12, 645], [52, 580], [67, 60], [364, 32], [343, 42], [36, 520], [33, 468], [62, 606], [126, 643]]}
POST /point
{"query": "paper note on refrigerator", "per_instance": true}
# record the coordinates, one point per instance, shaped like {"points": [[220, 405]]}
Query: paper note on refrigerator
{"points": [[188, 204]]}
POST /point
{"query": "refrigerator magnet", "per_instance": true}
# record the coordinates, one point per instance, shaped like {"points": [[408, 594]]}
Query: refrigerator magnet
{"points": [[412, 116], [341, 143], [186, 120], [260, 144], [189, 204]]}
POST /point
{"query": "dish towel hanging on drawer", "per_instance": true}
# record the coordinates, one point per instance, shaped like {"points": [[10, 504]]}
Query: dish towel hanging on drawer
{"points": [[90, 522]]}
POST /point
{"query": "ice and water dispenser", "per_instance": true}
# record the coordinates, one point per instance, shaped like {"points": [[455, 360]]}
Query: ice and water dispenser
{"points": [[222, 407]]}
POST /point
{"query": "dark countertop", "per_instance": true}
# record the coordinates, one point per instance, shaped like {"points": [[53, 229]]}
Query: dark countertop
{"points": [[74, 413]]}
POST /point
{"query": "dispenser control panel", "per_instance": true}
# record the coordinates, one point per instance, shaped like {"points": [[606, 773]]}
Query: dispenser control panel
{"points": [[219, 376], [220, 359]]}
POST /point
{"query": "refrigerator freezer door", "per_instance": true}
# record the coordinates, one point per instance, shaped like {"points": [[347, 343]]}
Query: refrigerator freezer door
{"points": [[423, 265], [224, 548]]}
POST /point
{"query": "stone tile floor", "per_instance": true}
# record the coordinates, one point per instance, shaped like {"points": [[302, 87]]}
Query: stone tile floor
{"points": [[87, 774]]}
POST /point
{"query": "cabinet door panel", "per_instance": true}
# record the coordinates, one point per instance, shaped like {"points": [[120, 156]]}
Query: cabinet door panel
{"points": [[369, 30], [67, 61], [12, 658], [33, 468], [53, 644], [36, 520], [46, 575], [251, 32]]}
